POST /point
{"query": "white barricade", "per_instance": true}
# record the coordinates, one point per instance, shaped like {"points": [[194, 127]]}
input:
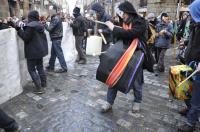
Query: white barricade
{"points": [[13, 68], [10, 83]]}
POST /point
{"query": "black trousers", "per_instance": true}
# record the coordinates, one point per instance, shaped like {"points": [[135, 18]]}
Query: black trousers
{"points": [[36, 71], [79, 49], [6, 122], [160, 55]]}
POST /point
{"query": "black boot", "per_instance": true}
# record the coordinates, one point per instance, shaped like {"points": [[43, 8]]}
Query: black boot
{"points": [[184, 112], [38, 88], [186, 128], [43, 81]]}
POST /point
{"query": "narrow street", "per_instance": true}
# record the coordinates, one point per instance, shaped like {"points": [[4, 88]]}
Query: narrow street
{"points": [[72, 102]]}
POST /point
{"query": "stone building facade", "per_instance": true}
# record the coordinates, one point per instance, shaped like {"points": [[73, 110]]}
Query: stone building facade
{"points": [[21, 7], [159, 6], [4, 8]]}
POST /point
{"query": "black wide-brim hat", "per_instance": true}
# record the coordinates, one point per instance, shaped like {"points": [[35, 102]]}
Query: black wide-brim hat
{"points": [[127, 7]]}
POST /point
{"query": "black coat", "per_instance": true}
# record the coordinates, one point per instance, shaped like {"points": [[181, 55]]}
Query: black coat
{"points": [[105, 30], [103, 18], [192, 52], [79, 26], [138, 31], [55, 27], [35, 40]]}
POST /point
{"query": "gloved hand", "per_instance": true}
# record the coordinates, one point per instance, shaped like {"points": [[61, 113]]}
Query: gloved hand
{"points": [[100, 30]]}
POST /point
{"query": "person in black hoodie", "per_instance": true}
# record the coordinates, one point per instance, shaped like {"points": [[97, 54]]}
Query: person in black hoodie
{"points": [[79, 28], [35, 49], [138, 28], [192, 54], [103, 17]]}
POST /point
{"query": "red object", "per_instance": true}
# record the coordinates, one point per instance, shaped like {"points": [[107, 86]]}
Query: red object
{"points": [[119, 68]]}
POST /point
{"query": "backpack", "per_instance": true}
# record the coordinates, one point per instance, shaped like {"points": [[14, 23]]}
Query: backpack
{"points": [[151, 39]]}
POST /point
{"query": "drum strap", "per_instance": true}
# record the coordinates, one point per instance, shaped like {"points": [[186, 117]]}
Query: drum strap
{"points": [[119, 68]]}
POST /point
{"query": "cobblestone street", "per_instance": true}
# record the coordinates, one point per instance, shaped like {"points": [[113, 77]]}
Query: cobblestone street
{"points": [[72, 101]]}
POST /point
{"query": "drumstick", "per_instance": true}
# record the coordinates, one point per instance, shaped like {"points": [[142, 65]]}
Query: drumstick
{"points": [[98, 54], [104, 40], [187, 78], [104, 23]]}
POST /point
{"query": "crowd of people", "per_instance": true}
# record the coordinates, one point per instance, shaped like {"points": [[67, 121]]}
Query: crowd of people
{"points": [[154, 33]]}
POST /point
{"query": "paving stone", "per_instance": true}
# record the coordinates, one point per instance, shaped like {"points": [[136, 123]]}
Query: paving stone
{"points": [[93, 94], [102, 93], [21, 115], [30, 95], [91, 103], [161, 130], [124, 123], [100, 101], [53, 99], [36, 98], [172, 105], [136, 115], [71, 103], [63, 98]]}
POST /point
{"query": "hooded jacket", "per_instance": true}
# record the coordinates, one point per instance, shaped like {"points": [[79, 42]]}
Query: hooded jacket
{"points": [[79, 23], [138, 30], [138, 25], [34, 37], [103, 17], [192, 52], [195, 10], [55, 27]]}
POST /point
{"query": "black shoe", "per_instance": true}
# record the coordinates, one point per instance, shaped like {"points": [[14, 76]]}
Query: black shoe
{"points": [[61, 71], [186, 128], [156, 74], [39, 91], [82, 61], [49, 69], [184, 112], [16, 129], [77, 59], [44, 84]]}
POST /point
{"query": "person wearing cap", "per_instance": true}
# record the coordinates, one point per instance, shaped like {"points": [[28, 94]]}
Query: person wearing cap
{"points": [[163, 40], [192, 54], [55, 30], [103, 17], [137, 30], [79, 28]]}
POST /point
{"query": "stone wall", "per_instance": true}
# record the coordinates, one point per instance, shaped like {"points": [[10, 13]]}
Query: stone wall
{"points": [[159, 6], [4, 8]]}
